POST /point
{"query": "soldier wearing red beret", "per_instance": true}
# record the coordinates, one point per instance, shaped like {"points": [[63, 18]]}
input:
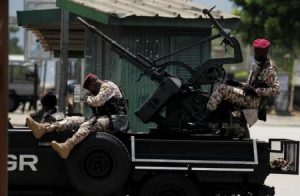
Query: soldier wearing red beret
{"points": [[262, 82], [105, 100], [88, 79]]}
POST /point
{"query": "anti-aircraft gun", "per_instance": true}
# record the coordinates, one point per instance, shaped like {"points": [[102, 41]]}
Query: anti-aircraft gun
{"points": [[177, 104]]}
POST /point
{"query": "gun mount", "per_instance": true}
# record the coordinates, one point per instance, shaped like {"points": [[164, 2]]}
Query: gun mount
{"points": [[177, 103]]}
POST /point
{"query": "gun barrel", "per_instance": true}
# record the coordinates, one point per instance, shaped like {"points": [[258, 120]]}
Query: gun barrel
{"points": [[231, 40], [123, 52], [217, 25]]}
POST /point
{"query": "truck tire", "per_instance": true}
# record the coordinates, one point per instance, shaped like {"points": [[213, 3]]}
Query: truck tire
{"points": [[169, 185], [99, 165], [13, 102]]}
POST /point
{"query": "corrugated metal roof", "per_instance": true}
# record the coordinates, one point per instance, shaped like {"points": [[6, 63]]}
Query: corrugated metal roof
{"points": [[151, 8]]}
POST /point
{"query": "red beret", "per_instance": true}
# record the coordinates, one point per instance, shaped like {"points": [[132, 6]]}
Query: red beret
{"points": [[88, 78], [261, 43]]}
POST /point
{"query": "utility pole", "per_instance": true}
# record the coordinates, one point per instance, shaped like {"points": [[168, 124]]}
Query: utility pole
{"points": [[288, 58], [64, 65], [3, 95]]}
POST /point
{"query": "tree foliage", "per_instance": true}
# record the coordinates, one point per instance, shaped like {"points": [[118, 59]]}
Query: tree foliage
{"points": [[277, 20], [14, 48]]}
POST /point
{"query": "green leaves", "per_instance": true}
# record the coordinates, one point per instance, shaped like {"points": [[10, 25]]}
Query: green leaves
{"points": [[14, 48], [277, 20]]}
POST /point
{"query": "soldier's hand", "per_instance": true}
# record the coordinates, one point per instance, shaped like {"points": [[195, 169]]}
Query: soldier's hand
{"points": [[232, 82], [84, 95], [249, 90]]}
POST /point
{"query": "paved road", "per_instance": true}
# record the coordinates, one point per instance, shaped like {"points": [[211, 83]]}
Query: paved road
{"points": [[18, 119], [280, 127]]}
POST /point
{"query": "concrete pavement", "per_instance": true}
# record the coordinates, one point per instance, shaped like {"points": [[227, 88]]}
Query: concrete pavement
{"points": [[18, 118], [284, 128], [292, 120]]}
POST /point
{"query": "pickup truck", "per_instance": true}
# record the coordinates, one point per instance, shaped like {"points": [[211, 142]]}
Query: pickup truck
{"points": [[182, 156], [147, 164]]}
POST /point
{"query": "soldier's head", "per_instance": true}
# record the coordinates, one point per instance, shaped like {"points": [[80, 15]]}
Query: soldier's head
{"points": [[261, 48], [49, 100], [92, 83]]}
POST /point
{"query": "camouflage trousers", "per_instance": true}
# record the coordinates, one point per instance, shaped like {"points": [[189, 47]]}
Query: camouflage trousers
{"points": [[84, 127], [231, 94]]}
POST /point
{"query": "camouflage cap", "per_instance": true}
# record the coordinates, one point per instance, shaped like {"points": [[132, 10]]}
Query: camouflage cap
{"points": [[88, 78]]}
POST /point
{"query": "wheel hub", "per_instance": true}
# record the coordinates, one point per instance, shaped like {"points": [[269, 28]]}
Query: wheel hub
{"points": [[98, 164]]}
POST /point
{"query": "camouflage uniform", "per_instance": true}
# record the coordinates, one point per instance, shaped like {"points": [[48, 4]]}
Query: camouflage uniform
{"points": [[69, 123], [108, 101], [96, 123], [267, 74]]}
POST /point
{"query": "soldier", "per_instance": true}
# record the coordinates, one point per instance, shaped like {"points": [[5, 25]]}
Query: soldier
{"points": [[106, 100], [262, 82], [44, 115]]}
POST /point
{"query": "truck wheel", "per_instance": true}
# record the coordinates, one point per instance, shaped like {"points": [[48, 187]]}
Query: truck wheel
{"points": [[99, 165], [169, 185]]}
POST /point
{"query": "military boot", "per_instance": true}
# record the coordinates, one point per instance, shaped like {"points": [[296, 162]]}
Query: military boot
{"points": [[38, 129], [200, 121], [63, 149]]}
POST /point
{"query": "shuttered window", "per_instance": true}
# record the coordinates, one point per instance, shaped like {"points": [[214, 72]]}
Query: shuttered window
{"points": [[192, 57], [103, 60]]}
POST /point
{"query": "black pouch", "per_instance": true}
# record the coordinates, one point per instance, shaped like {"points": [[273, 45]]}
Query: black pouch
{"points": [[119, 123], [58, 116], [262, 114], [262, 109]]}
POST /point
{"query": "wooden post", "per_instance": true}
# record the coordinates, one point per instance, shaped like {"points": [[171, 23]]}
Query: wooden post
{"points": [[64, 64], [3, 94]]}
